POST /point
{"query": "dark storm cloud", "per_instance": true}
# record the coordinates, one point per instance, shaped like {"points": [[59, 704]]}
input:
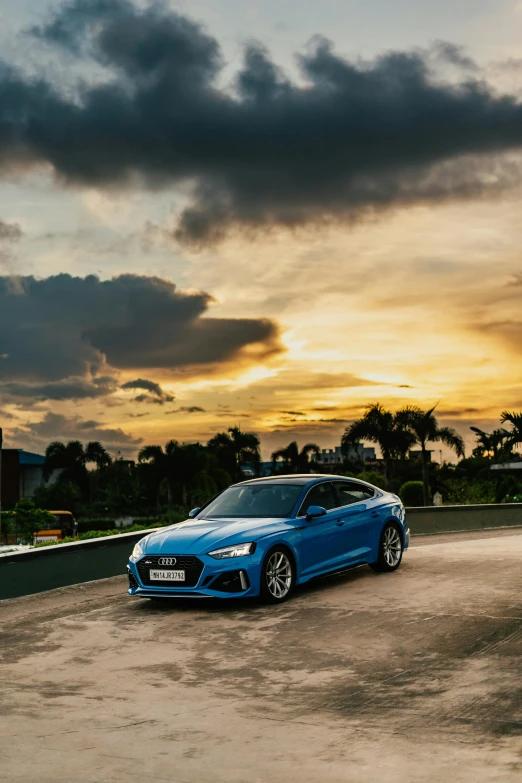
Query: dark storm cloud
{"points": [[10, 232], [348, 139], [66, 389], [54, 426], [156, 395], [60, 336]]}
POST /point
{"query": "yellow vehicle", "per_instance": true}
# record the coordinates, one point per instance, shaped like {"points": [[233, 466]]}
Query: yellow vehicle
{"points": [[64, 527]]}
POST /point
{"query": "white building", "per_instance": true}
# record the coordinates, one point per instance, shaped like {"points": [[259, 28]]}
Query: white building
{"points": [[357, 453]]}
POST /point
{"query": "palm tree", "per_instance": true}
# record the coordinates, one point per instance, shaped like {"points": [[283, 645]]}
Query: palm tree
{"points": [[425, 429], [97, 454], [188, 472], [515, 419], [383, 427], [71, 458], [234, 448], [494, 444], [296, 461]]}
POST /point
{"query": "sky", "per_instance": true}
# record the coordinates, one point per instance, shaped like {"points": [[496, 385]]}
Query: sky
{"points": [[264, 214]]}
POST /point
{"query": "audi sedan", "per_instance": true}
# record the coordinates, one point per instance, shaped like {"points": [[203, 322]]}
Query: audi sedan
{"points": [[264, 536]]}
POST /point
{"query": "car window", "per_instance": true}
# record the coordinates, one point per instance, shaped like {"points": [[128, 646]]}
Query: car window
{"points": [[352, 492], [253, 500], [320, 495]]}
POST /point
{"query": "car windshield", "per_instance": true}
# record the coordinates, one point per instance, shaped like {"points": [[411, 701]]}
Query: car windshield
{"points": [[254, 500]]}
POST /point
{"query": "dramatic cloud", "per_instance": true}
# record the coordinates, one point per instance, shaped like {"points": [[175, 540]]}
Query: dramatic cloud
{"points": [[67, 389], [348, 139], [60, 336], [156, 395], [55, 426]]}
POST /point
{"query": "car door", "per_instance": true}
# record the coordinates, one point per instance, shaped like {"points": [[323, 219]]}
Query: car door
{"points": [[357, 519], [319, 547]]}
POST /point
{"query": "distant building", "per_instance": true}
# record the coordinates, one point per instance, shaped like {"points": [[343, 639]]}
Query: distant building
{"points": [[335, 457], [326, 461], [22, 473], [507, 466]]}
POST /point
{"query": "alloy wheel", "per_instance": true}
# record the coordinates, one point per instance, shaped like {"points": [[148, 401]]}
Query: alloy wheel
{"points": [[278, 573], [392, 546]]}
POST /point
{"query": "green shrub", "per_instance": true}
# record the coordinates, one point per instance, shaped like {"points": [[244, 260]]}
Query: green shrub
{"points": [[26, 518], [412, 493], [85, 525], [98, 534], [467, 492], [512, 499], [148, 521], [88, 525], [176, 514], [90, 534], [65, 540]]}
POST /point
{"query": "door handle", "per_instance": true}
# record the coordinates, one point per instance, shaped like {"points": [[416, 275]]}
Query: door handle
{"points": [[340, 523], [375, 513]]}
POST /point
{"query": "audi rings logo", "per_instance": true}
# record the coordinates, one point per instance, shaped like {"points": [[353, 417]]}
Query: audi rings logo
{"points": [[171, 561]]}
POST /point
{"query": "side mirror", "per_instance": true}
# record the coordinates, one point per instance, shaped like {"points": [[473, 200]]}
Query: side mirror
{"points": [[193, 513], [314, 511]]}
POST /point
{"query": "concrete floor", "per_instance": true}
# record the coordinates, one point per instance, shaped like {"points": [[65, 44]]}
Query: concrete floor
{"points": [[413, 676]]}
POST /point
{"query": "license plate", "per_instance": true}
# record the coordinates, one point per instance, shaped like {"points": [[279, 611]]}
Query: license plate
{"points": [[166, 576]]}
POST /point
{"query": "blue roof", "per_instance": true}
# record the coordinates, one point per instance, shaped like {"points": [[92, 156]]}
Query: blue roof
{"points": [[28, 458]]}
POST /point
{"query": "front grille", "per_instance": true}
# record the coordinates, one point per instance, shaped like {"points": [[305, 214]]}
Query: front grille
{"points": [[191, 565]]}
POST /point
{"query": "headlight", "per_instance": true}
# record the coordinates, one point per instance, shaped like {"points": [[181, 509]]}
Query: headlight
{"points": [[234, 551], [138, 550]]}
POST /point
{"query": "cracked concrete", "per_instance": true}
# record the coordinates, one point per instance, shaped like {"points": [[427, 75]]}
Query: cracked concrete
{"points": [[413, 676]]}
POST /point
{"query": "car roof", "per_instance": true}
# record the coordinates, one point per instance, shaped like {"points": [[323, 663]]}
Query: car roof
{"points": [[292, 478]]}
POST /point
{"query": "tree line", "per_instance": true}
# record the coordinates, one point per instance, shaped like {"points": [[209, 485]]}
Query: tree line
{"points": [[184, 475], [177, 475]]}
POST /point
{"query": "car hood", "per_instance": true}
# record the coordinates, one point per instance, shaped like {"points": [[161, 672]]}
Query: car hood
{"points": [[199, 536]]}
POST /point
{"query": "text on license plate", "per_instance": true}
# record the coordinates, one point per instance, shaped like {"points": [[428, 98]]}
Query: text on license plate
{"points": [[166, 576]]}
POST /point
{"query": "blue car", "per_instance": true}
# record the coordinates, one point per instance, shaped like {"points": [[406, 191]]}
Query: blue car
{"points": [[264, 536]]}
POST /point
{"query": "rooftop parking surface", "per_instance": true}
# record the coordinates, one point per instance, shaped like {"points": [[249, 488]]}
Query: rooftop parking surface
{"points": [[412, 676]]}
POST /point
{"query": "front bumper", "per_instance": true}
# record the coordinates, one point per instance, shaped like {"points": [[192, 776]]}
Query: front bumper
{"points": [[235, 577]]}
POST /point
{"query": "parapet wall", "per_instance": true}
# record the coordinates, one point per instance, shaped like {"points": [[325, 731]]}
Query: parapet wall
{"points": [[450, 519], [36, 570]]}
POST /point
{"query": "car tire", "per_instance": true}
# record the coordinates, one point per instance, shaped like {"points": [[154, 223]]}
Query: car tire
{"points": [[277, 575], [391, 547]]}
